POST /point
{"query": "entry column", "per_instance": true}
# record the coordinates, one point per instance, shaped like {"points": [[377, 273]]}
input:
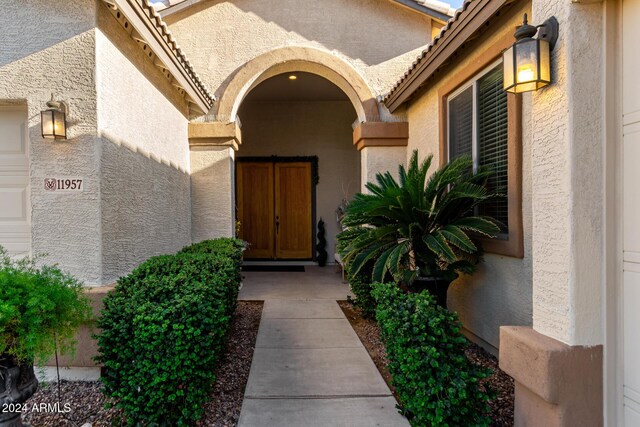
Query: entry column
{"points": [[383, 146], [212, 149]]}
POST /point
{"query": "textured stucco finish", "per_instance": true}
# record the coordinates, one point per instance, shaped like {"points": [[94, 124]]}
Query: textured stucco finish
{"points": [[379, 39], [120, 110], [500, 292], [212, 192], [556, 385], [303, 128], [136, 102], [145, 184], [49, 48], [87, 346], [374, 160], [146, 209], [567, 179]]}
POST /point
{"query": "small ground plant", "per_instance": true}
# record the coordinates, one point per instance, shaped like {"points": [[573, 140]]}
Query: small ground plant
{"points": [[41, 310], [436, 384]]}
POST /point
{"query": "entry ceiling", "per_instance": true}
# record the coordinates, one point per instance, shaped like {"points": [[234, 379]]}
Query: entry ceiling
{"points": [[306, 87]]}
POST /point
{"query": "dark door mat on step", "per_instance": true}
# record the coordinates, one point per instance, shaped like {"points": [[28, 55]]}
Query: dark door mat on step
{"points": [[290, 268]]}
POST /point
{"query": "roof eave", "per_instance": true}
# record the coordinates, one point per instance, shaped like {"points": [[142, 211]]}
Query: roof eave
{"points": [[467, 21], [150, 30]]}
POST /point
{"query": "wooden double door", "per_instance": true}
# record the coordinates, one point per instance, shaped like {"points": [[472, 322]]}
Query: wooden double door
{"points": [[274, 201]]}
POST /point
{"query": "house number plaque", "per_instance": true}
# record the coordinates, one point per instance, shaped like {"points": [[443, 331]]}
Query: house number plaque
{"points": [[64, 184]]}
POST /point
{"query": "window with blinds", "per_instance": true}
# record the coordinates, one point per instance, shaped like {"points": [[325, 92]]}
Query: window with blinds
{"points": [[478, 126], [461, 124]]}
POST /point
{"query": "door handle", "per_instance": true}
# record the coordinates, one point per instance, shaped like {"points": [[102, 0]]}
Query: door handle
{"points": [[277, 224]]}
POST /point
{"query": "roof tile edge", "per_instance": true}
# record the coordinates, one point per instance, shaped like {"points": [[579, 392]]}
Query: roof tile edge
{"points": [[147, 12], [425, 52], [171, 42]]}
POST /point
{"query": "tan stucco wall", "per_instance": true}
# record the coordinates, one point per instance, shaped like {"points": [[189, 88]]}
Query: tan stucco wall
{"points": [[302, 128], [127, 138], [142, 121], [48, 47], [378, 38], [137, 104], [568, 179], [500, 293], [375, 160], [212, 192]]}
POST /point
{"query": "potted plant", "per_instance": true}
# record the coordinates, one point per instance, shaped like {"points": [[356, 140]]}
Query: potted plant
{"points": [[419, 230], [40, 312]]}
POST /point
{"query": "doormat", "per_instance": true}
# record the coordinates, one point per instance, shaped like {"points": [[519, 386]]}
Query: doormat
{"points": [[288, 268]]}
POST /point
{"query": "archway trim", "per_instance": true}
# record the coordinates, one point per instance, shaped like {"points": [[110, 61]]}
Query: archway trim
{"points": [[298, 59]]}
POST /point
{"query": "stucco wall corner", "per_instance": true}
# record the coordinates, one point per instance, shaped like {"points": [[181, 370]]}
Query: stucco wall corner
{"points": [[52, 52], [212, 192], [142, 122], [556, 384], [567, 170]]}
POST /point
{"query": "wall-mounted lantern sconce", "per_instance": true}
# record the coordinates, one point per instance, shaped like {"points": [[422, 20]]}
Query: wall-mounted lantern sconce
{"points": [[53, 120], [526, 63]]}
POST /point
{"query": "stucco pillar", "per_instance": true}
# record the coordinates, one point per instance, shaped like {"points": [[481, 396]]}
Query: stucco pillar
{"points": [[567, 246], [383, 147], [212, 147]]}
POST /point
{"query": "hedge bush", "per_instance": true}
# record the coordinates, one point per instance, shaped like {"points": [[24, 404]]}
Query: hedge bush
{"points": [[360, 283], [233, 248], [362, 287], [436, 384], [163, 330]]}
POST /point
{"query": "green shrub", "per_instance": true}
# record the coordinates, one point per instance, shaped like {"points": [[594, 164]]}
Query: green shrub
{"points": [[163, 331], [225, 246], [420, 225], [362, 287], [436, 384], [360, 283], [40, 310]]}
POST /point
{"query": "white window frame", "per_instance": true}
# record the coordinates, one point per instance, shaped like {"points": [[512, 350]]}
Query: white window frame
{"points": [[473, 82]]}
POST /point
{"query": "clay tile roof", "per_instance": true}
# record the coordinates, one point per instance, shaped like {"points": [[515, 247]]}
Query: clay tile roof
{"points": [[166, 34], [430, 47], [472, 13]]}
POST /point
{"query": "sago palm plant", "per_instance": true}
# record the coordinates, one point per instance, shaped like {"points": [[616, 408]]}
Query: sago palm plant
{"points": [[421, 226]]}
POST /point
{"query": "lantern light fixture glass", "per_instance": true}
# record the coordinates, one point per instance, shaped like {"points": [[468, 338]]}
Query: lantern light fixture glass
{"points": [[526, 63], [54, 121]]}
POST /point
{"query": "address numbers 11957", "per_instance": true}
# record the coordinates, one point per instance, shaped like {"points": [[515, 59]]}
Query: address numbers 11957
{"points": [[63, 184]]}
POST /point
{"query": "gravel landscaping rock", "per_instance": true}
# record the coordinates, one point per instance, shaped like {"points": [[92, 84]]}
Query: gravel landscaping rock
{"points": [[369, 333], [228, 392], [83, 402], [501, 383]]}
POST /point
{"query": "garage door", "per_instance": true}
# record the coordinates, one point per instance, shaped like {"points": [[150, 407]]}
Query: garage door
{"points": [[15, 217], [631, 212]]}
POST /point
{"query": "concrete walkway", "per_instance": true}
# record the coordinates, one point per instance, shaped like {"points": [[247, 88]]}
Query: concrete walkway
{"points": [[309, 367]]}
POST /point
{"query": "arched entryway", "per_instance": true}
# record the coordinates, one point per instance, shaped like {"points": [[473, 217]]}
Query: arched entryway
{"points": [[296, 164], [297, 59], [349, 140]]}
